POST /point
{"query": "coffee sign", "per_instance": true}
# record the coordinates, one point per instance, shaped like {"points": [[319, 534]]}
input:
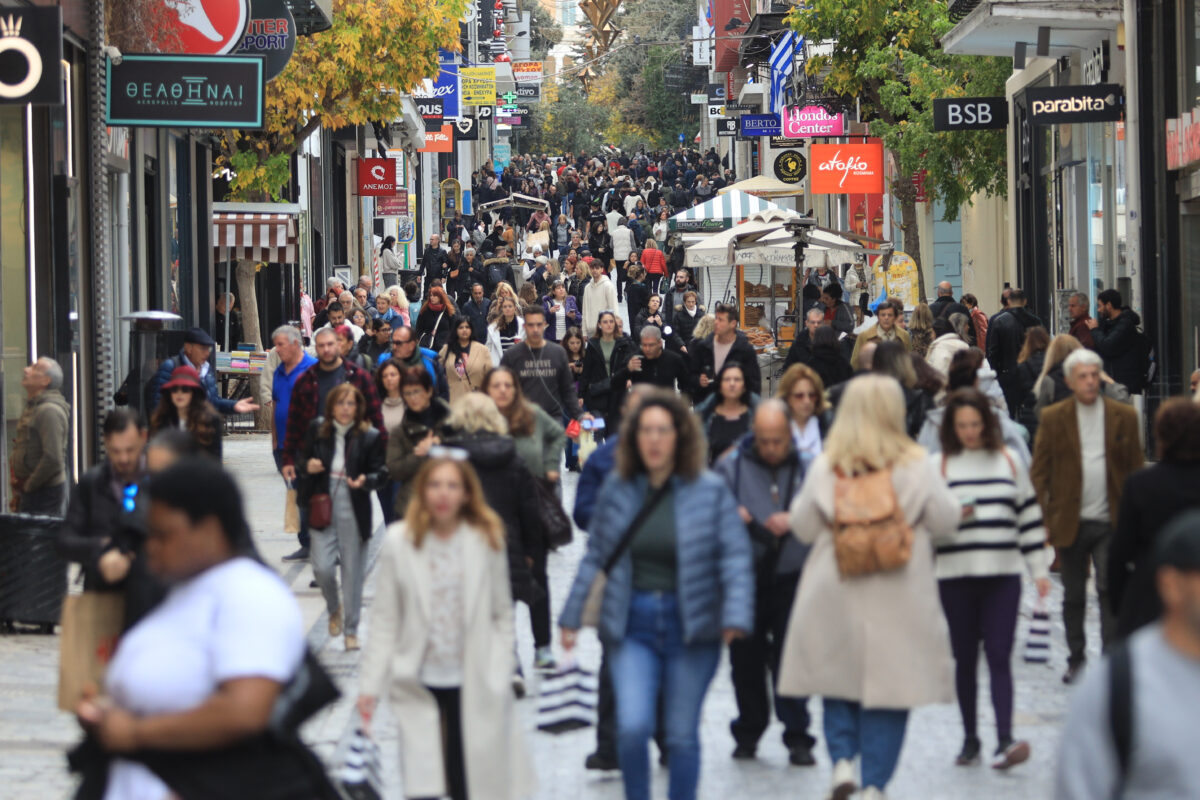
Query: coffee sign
{"points": [[178, 91], [1061, 105], [790, 166], [847, 168], [808, 121]]}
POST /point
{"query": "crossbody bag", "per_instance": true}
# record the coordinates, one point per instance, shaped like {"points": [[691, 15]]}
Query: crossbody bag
{"points": [[595, 596]]}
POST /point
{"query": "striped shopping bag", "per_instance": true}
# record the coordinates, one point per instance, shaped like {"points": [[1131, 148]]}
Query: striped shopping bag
{"points": [[1037, 638], [361, 774], [567, 699]]}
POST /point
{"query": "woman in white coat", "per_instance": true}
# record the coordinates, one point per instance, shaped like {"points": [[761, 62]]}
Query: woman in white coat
{"points": [[441, 643]]}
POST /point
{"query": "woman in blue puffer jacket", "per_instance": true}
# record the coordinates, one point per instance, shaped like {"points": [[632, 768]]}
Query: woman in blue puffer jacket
{"points": [[681, 582]]}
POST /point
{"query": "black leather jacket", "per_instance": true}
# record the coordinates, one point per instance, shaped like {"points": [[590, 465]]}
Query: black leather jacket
{"points": [[365, 455]]}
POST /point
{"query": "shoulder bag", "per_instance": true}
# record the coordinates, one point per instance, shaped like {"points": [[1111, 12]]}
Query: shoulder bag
{"points": [[870, 532], [556, 525], [595, 597]]}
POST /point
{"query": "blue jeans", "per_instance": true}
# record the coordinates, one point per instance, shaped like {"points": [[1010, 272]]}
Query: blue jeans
{"points": [[652, 658], [876, 733]]}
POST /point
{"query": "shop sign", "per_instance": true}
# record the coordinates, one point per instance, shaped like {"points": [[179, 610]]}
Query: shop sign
{"points": [[439, 141], [716, 111], [451, 196], [529, 92], [502, 154], [527, 71], [727, 127], [783, 142], [466, 129], [800, 122], [716, 94], [1183, 140], [970, 113], [1061, 105], [376, 177], [699, 98], [206, 27], [396, 206], [483, 112], [846, 168], [430, 109], [270, 33], [702, 225], [445, 88], [178, 91], [760, 125], [737, 108], [31, 56], [478, 85], [790, 166], [1095, 64]]}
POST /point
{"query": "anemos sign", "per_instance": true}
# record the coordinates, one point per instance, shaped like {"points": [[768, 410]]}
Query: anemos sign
{"points": [[847, 168]]}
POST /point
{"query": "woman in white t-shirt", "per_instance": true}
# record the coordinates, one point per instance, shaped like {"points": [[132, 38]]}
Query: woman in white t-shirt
{"points": [[202, 672]]}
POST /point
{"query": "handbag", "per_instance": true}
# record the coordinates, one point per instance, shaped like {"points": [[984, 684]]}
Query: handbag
{"points": [[556, 525], [320, 510], [870, 532], [567, 699], [595, 597], [1037, 639], [308, 691], [91, 624]]}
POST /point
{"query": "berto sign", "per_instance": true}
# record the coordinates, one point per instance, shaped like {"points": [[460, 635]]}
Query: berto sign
{"points": [[759, 124], [847, 168], [176, 91], [1059, 105]]}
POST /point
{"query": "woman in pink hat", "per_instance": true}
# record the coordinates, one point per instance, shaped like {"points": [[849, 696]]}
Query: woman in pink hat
{"points": [[183, 404]]}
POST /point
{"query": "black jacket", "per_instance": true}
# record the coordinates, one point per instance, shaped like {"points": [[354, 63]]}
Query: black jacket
{"points": [[1116, 342], [433, 327], [433, 261], [637, 297], [832, 365], [508, 488], [1027, 373], [945, 306], [1006, 336], [1152, 497], [703, 361], [365, 455], [478, 316], [664, 372], [684, 324], [601, 394], [800, 352]]}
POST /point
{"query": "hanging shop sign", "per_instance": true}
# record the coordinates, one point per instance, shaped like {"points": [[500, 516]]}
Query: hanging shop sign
{"points": [[444, 87], [430, 109], [716, 94], [846, 168], [31, 56], [716, 111], [970, 113], [478, 85], [760, 125], [1095, 64], [501, 154], [483, 112], [439, 141], [791, 166], [466, 129], [395, 206], [451, 196], [727, 127], [1183, 140], [205, 27], [527, 71], [1060, 105], [270, 33], [800, 122], [376, 177], [529, 92], [784, 143], [177, 91]]}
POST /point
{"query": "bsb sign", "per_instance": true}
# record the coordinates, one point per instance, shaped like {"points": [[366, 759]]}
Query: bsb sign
{"points": [[970, 113], [1060, 105], [847, 168], [178, 91]]}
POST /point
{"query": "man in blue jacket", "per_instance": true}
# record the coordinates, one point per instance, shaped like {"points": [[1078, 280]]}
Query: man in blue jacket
{"points": [[408, 353], [197, 347]]}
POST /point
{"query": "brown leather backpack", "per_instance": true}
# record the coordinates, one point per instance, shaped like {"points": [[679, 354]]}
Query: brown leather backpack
{"points": [[870, 532]]}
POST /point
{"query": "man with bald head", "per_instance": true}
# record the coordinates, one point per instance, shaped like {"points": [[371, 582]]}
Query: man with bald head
{"points": [[765, 473]]}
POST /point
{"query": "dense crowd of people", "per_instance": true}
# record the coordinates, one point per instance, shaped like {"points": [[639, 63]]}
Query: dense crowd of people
{"points": [[886, 492]]}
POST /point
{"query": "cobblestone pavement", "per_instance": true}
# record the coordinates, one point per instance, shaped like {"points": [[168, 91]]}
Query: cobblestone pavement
{"points": [[34, 735]]}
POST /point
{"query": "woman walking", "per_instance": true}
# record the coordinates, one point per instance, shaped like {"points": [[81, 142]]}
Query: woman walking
{"points": [[979, 574], [465, 360], [842, 623], [606, 354], [434, 325], [343, 462], [505, 329], [387, 383], [801, 388], [183, 404], [409, 444], [441, 643], [725, 416], [680, 581]]}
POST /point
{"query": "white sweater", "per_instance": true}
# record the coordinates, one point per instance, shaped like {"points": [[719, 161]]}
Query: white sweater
{"points": [[1006, 527]]}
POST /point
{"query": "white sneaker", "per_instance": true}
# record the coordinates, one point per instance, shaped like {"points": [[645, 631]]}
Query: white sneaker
{"points": [[844, 783], [872, 793]]}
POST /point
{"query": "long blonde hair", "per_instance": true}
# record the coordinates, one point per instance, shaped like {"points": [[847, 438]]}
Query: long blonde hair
{"points": [[869, 433], [1060, 347], [474, 412], [475, 511]]}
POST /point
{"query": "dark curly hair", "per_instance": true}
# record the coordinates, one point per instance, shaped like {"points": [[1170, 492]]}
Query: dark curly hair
{"points": [[993, 439], [690, 447]]}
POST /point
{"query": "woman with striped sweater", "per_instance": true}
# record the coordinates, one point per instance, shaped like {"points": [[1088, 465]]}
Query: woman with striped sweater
{"points": [[979, 571]]}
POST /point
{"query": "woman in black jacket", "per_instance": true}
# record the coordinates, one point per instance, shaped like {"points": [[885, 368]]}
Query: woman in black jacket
{"points": [[637, 292], [828, 360], [341, 463], [600, 395], [600, 243], [435, 322]]}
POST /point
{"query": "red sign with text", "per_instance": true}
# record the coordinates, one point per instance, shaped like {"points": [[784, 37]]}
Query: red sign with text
{"points": [[439, 141], [846, 168], [376, 177], [205, 27]]}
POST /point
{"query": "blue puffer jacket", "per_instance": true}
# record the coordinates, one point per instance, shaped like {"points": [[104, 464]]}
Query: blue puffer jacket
{"points": [[715, 560]]}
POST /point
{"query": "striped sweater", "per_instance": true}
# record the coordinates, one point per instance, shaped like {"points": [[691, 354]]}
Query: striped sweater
{"points": [[1006, 527]]}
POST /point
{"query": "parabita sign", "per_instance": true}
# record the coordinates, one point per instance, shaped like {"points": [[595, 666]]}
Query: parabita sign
{"points": [[178, 91]]}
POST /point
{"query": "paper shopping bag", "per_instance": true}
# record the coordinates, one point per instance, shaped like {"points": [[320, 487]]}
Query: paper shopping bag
{"points": [[291, 513], [91, 625]]}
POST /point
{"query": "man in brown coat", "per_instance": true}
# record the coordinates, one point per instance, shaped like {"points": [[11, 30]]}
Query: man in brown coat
{"points": [[1086, 446]]}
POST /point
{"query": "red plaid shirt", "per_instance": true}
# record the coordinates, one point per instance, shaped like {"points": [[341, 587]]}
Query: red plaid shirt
{"points": [[302, 409]]}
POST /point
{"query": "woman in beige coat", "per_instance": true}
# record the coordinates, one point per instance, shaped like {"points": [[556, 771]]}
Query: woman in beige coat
{"points": [[441, 643], [875, 645], [465, 360]]}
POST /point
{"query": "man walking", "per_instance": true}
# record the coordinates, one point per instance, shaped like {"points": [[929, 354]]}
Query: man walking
{"points": [[476, 310], [433, 261], [765, 473], [1077, 308], [727, 343], [407, 352], [655, 365], [1087, 445], [543, 369], [801, 350], [598, 295], [1006, 336], [293, 362], [39, 454], [885, 329], [1115, 339]]}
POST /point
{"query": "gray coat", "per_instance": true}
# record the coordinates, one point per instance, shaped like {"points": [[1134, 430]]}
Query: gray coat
{"points": [[715, 559], [765, 490]]}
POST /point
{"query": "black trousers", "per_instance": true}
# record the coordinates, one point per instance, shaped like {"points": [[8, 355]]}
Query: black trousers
{"points": [[754, 666], [539, 611], [622, 278], [450, 706]]}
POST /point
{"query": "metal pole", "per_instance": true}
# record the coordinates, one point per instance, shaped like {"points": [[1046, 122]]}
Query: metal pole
{"points": [[228, 310]]}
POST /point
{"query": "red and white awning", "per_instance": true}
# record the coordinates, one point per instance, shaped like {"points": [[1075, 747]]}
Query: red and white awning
{"points": [[255, 236]]}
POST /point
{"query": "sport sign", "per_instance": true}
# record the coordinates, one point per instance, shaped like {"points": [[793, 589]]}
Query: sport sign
{"points": [[847, 168], [205, 27], [270, 33], [376, 177]]}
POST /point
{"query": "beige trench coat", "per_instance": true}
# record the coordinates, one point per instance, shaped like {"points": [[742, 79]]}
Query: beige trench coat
{"points": [[498, 766], [880, 639]]}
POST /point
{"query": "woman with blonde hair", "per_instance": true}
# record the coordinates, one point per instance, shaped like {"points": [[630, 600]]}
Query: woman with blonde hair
{"points": [[399, 303], [441, 642], [920, 329], [1051, 385], [850, 624], [804, 392], [704, 327], [503, 289]]}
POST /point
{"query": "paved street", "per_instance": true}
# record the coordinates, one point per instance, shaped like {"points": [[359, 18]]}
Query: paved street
{"points": [[34, 735]]}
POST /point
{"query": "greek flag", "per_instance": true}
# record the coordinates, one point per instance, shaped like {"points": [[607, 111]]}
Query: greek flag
{"points": [[782, 61]]}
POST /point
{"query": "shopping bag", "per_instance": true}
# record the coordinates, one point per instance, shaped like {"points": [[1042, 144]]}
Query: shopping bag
{"points": [[1037, 639], [361, 774], [567, 699], [91, 624], [587, 446], [291, 513]]}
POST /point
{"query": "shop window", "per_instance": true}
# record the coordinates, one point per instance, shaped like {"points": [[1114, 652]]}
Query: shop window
{"points": [[14, 276]]}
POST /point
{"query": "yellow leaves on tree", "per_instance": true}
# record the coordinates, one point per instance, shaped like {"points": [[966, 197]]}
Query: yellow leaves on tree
{"points": [[351, 74]]}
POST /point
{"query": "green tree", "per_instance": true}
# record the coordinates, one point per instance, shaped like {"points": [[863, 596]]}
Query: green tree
{"points": [[544, 32], [887, 54], [565, 121]]}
